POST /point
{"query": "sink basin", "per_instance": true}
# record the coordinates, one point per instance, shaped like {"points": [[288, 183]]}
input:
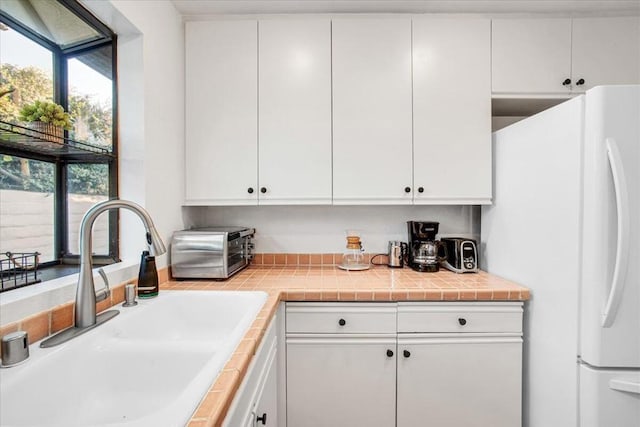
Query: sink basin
{"points": [[149, 366]]}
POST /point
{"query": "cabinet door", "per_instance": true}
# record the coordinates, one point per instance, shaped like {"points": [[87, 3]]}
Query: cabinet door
{"points": [[295, 111], [341, 382], [531, 55], [266, 409], [372, 111], [605, 51], [221, 112], [447, 380], [452, 110]]}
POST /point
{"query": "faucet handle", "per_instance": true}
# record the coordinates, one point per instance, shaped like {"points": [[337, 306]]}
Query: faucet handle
{"points": [[14, 349], [104, 292]]}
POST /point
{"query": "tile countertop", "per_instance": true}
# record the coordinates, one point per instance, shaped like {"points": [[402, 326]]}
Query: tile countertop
{"points": [[327, 283]]}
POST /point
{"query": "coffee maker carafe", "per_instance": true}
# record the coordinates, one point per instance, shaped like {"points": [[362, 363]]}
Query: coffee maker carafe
{"points": [[423, 246]]}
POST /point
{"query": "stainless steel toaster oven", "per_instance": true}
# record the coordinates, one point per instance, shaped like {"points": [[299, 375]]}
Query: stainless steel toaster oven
{"points": [[210, 253]]}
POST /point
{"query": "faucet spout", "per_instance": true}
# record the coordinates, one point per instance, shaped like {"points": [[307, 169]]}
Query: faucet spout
{"points": [[85, 308], [85, 295]]}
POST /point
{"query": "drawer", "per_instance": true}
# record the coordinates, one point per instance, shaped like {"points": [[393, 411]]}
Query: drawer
{"points": [[341, 318], [460, 317]]}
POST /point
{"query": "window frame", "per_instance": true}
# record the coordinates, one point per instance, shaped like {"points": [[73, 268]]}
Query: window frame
{"points": [[60, 96]]}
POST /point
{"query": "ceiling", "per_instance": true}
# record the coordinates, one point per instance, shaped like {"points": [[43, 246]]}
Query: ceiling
{"points": [[575, 7]]}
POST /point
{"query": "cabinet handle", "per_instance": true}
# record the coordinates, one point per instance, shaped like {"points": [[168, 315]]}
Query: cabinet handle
{"points": [[263, 190], [407, 189], [420, 189], [262, 419], [580, 82], [566, 82], [389, 353], [250, 190], [462, 321], [342, 322], [406, 353]]}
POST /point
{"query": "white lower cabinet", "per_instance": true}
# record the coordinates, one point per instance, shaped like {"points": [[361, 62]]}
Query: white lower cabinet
{"points": [[445, 364], [459, 381], [341, 364], [265, 412], [256, 401], [341, 382]]}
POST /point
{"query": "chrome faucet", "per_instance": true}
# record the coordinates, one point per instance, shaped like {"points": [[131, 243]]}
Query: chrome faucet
{"points": [[85, 308]]}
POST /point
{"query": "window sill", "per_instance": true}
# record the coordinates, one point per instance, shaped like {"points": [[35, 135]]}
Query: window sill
{"points": [[23, 302], [57, 272]]}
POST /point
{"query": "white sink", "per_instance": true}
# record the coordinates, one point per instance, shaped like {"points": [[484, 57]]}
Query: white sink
{"points": [[149, 366]]}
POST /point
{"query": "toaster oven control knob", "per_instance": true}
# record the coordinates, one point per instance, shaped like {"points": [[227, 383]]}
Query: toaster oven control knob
{"points": [[250, 190], [342, 322], [263, 190], [420, 189], [407, 189], [462, 321]]}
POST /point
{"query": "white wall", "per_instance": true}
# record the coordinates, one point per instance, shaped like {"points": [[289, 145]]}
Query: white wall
{"points": [[151, 114], [318, 229]]}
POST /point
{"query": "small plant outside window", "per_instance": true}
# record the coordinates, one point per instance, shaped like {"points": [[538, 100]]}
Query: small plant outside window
{"points": [[46, 112], [47, 117]]}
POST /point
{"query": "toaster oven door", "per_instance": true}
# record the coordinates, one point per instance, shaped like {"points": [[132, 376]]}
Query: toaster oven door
{"points": [[199, 255], [237, 255]]}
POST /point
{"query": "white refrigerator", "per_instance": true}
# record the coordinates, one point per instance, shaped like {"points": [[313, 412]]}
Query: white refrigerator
{"points": [[565, 222]]}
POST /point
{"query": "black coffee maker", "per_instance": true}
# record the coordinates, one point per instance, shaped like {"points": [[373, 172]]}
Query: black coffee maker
{"points": [[423, 247]]}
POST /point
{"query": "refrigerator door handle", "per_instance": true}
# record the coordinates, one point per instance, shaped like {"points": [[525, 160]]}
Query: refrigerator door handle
{"points": [[622, 249], [625, 385]]}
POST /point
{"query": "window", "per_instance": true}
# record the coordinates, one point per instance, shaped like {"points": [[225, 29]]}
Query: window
{"points": [[27, 207], [55, 50]]}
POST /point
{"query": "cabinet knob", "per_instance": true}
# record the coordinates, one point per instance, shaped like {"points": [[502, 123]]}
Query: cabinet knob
{"points": [[263, 190], [462, 321], [566, 82], [580, 82], [389, 353], [420, 189], [250, 190], [262, 419], [407, 189], [342, 322], [406, 353]]}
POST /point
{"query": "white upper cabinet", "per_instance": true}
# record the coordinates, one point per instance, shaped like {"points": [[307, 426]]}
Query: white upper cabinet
{"points": [[605, 51], [561, 57], [452, 110], [372, 141], [221, 112], [295, 111], [531, 56]]}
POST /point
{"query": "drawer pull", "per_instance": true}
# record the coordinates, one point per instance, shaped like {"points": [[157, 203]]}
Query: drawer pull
{"points": [[406, 353], [462, 321], [262, 419], [342, 322], [389, 353]]}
